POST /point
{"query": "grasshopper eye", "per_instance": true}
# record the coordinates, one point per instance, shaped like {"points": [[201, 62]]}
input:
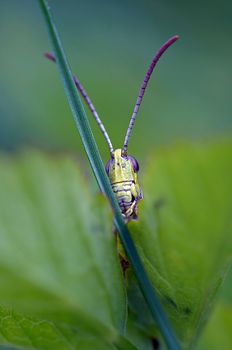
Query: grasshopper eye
{"points": [[134, 163], [108, 164]]}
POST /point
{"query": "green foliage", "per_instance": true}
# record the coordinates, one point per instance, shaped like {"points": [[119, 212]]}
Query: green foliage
{"points": [[218, 334], [57, 252], [29, 333], [61, 285], [184, 234]]}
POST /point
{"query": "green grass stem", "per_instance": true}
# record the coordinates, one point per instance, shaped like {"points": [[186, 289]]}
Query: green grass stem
{"points": [[103, 181]]}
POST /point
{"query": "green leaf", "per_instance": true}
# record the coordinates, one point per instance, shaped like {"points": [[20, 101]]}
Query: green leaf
{"points": [[58, 256], [218, 334], [29, 333], [137, 336], [226, 292], [184, 234]]}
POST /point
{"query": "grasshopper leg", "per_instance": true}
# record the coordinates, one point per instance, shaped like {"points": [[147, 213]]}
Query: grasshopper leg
{"points": [[132, 209]]}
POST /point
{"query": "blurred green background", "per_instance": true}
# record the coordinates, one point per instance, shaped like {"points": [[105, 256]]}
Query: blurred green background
{"points": [[109, 45]]}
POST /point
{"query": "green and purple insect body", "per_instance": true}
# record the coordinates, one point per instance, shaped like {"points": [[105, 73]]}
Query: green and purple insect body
{"points": [[122, 169]]}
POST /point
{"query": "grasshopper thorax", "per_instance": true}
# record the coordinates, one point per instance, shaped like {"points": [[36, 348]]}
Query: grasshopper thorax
{"points": [[121, 167]]}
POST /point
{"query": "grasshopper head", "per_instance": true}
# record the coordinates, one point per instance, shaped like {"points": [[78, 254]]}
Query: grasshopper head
{"points": [[121, 167]]}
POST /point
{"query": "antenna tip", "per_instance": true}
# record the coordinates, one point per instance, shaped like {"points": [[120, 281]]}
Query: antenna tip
{"points": [[50, 56], [174, 38]]}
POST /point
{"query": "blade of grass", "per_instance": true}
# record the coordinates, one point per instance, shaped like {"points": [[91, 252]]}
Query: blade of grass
{"points": [[103, 181]]}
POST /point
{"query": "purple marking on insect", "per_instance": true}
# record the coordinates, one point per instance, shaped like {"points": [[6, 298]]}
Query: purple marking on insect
{"points": [[143, 87], [107, 167], [88, 101], [134, 163]]}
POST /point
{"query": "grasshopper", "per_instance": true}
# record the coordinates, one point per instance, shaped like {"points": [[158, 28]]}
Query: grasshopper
{"points": [[122, 169]]}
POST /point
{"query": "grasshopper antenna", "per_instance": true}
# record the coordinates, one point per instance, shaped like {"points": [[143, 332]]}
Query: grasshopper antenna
{"points": [[143, 87], [89, 103]]}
